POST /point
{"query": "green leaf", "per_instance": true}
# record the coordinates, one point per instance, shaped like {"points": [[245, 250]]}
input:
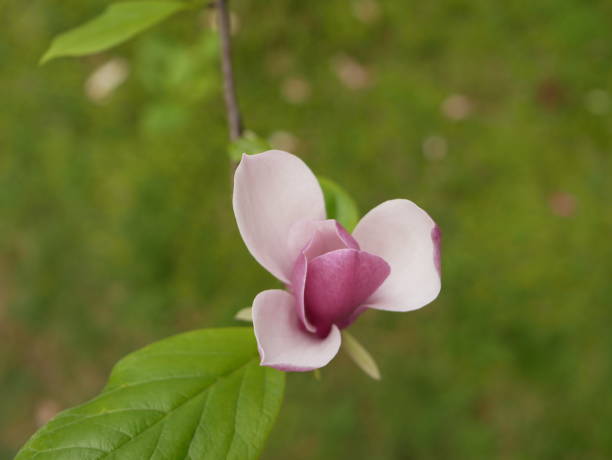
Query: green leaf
{"points": [[200, 395], [118, 23], [249, 143], [339, 204], [360, 355]]}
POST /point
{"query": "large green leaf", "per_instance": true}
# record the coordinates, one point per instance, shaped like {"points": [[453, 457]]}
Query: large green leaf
{"points": [[200, 395], [118, 23], [339, 204]]}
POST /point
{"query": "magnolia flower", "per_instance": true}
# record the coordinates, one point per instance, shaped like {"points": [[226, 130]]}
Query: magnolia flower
{"points": [[390, 262]]}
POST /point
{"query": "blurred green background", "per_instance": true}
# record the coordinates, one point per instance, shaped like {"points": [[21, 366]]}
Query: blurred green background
{"points": [[116, 227]]}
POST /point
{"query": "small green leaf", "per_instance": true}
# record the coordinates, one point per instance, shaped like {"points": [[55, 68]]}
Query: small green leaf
{"points": [[249, 143], [246, 314], [118, 23], [360, 355], [200, 395], [339, 204]]}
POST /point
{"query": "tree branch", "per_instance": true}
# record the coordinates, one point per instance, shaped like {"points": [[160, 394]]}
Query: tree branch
{"points": [[234, 118]]}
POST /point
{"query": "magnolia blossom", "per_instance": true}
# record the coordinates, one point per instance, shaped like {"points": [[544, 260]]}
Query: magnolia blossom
{"points": [[391, 261]]}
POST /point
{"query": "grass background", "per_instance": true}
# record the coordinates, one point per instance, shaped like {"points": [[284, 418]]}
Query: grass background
{"points": [[116, 226]]}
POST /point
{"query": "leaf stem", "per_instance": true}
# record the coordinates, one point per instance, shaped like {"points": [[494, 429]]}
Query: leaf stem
{"points": [[234, 118]]}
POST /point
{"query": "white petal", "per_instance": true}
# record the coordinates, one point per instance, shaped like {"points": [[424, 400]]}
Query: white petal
{"points": [[283, 343], [408, 239], [272, 191]]}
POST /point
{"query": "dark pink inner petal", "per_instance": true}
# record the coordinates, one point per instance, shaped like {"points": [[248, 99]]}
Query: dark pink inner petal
{"points": [[337, 283], [328, 236]]}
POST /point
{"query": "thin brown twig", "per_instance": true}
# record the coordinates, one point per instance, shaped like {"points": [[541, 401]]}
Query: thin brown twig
{"points": [[234, 118]]}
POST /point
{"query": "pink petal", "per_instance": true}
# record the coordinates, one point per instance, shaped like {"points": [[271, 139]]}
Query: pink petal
{"points": [[298, 284], [337, 283], [283, 343], [272, 191], [408, 239], [321, 237]]}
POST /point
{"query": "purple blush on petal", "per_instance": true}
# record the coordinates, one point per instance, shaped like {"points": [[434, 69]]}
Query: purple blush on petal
{"points": [[436, 237], [287, 368]]}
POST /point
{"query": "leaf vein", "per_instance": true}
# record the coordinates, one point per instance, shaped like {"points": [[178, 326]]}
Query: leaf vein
{"points": [[188, 399]]}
